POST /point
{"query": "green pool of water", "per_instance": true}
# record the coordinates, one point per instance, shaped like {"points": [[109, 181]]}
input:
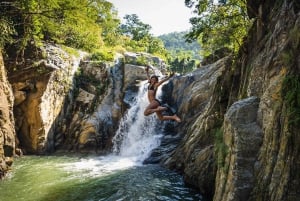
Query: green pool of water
{"points": [[111, 178]]}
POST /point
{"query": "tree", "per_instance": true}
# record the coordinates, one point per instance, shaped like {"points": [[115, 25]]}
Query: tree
{"points": [[140, 39], [175, 43], [135, 28], [76, 23], [156, 46], [218, 25], [6, 32], [109, 22], [182, 64]]}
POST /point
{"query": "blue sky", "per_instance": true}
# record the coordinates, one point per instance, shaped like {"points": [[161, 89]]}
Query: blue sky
{"points": [[164, 16]]}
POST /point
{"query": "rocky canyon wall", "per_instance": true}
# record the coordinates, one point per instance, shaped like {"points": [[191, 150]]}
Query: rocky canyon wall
{"points": [[202, 98], [105, 91], [7, 128], [41, 89], [274, 78], [239, 141], [65, 101], [96, 109]]}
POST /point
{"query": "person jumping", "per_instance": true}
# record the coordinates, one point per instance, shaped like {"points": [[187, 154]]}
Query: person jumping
{"points": [[154, 104]]}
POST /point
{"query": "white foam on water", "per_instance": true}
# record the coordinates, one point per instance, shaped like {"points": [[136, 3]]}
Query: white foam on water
{"points": [[137, 135], [100, 166], [135, 138]]}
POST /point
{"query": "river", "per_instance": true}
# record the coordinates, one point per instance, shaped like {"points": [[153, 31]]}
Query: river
{"points": [[109, 178], [120, 176]]}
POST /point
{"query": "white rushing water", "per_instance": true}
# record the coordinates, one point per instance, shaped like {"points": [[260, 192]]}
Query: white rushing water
{"points": [[118, 176], [135, 138], [137, 134]]}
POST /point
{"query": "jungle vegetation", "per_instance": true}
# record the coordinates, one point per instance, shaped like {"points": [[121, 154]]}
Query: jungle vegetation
{"points": [[94, 26]]}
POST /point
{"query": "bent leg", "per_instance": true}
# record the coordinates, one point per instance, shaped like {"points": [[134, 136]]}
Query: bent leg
{"points": [[149, 111], [164, 118], [153, 107]]}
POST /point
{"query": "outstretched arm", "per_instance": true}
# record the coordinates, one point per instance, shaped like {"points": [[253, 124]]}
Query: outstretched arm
{"points": [[147, 71], [165, 79]]}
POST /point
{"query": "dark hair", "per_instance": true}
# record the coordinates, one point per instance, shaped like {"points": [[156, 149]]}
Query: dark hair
{"points": [[154, 76]]}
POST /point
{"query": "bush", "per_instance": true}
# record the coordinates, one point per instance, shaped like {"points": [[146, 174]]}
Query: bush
{"points": [[103, 55]]}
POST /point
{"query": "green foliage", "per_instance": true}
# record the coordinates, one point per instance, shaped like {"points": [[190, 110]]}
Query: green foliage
{"points": [[137, 37], [135, 28], [76, 23], [291, 96], [90, 25], [6, 32], [176, 44], [70, 51], [156, 47], [102, 55], [221, 149], [142, 61], [183, 57], [182, 64], [109, 23], [218, 25]]}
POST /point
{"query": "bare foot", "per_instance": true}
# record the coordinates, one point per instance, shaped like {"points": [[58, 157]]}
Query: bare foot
{"points": [[176, 118]]}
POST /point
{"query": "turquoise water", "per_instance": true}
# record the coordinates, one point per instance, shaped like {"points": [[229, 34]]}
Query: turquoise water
{"points": [[119, 177], [111, 178]]}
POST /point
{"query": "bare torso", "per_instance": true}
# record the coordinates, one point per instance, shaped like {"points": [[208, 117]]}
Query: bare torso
{"points": [[151, 93]]}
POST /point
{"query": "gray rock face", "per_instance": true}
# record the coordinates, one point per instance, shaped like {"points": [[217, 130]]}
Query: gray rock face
{"points": [[242, 138], [201, 110], [7, 129], [277, 173], [95, 121], [249, 115], [40, 92], [93, 132], [53, 111]]}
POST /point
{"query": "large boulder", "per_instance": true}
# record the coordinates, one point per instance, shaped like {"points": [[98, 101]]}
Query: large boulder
{"points": [[242, 139]]}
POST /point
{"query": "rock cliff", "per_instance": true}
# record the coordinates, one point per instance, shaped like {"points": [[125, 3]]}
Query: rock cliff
{"points": [[41, 88], [202, 98], [240, 134], [7, 129], [96, 114], [67, 102]]}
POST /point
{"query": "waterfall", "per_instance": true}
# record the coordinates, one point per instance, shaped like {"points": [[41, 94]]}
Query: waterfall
{"points": [[137, 134]]}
